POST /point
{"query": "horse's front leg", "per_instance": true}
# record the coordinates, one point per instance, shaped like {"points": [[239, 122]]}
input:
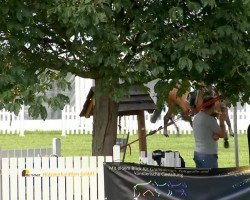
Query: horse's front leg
{"points": [[166, 120]]}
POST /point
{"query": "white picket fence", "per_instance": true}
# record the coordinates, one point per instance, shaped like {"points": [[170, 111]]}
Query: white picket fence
{"points": [[55, 150], [10, 123], [71, 123], [54, 178]]}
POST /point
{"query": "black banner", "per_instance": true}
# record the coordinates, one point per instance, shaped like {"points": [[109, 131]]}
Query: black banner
{"points": [[129, 181]]}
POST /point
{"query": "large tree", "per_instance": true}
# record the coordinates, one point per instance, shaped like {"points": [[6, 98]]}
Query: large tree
{"points": [[118, 44]]}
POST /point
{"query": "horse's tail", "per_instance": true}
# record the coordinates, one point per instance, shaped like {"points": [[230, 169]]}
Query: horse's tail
{"points": [[156, 114]]}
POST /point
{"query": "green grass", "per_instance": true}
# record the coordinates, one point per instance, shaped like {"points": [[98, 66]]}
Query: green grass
{"points": [[70, 145], [78, 145]]}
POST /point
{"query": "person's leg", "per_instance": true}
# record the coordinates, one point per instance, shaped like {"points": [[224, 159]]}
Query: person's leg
{"points": [[205, 160], [198, 160]]}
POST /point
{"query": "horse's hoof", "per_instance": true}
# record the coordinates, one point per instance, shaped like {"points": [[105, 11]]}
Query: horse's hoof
{"points": [[166, 134], [226, 144]]}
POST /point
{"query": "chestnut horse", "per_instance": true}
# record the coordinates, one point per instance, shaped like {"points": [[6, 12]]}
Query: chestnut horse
{"points": [[190, 104]]}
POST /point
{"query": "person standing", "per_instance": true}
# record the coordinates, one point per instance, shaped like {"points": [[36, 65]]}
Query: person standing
{"points": [[207, 132]]}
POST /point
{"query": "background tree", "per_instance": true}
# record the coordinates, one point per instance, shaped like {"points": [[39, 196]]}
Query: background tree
{"points": [[118, 44]]}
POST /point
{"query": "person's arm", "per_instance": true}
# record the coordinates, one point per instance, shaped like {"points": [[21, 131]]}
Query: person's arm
{"points": [[222, 131]]}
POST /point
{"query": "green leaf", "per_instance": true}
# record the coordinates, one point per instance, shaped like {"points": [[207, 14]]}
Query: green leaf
{"points": [[102, 17], [176, 13], [63, 84], [225, 30], [246, 2], [204, 53], [185, 62], [15, 107], [33, 111], [210, 3], [19, 15], [201, 66], [58, 102], [4, 9], [43, 112], [194, 6], [156, 71]]}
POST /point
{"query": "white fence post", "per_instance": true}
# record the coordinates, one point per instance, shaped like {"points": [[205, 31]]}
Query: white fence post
{"points": [[21, 121], [116, 153], [56, 147], [64, 121]]}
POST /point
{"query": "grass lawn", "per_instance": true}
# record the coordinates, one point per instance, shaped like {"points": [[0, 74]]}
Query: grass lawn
{"points": [[79, 145]]}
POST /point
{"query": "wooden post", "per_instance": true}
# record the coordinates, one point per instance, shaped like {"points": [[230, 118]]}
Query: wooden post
{"points": [[142, 132]]}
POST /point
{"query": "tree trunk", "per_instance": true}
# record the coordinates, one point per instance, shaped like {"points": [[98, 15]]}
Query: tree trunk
{"points": [[105, 123]]}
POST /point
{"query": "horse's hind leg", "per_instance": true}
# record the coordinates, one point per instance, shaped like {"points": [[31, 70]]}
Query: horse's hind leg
{"points": [[228, 122], [224, 110], [226, 143], [185, 107], [166, 120]]}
